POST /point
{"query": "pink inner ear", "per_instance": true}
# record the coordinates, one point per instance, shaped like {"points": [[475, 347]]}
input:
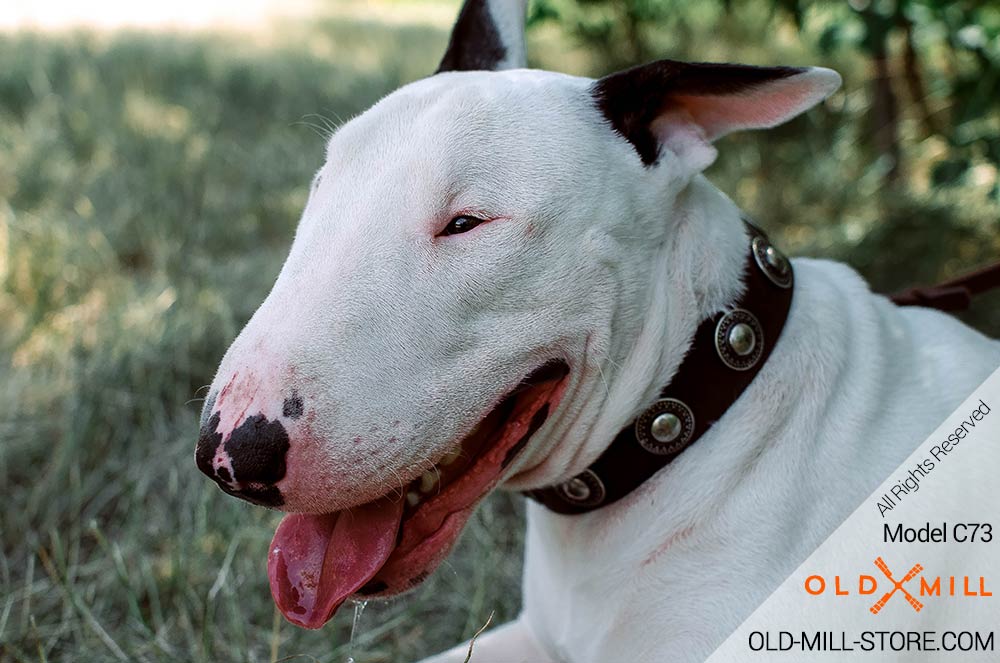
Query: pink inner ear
{"points": [[761, 107], [678, 132]]}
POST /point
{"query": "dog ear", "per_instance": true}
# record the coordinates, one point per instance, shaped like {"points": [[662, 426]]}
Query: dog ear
{"points": [[683, 106], [488, 35]]}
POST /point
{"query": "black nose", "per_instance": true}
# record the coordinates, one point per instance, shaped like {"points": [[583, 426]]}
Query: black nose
{"points": [[256, 452], [258, 449]]}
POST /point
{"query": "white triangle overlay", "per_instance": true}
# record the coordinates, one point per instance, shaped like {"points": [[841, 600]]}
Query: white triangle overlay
{"points": [[963, 487]]}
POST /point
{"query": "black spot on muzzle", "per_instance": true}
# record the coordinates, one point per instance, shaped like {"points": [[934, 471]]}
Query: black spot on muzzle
{"points": [[292, 407], [256, 451]]}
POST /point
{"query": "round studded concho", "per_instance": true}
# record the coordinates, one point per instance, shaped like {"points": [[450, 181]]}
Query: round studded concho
{"points": [[666, 427], [771, 262], [585, 489], [739, 339]]}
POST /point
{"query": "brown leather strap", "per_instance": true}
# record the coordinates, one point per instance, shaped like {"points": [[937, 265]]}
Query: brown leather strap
{"points": [[715, 372], [953, 295], [711, 378]]}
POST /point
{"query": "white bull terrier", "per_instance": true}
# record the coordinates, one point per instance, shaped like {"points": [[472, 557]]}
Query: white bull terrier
{"points": [[499, 269]]}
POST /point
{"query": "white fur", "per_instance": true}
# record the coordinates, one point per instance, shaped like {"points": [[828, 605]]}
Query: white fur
{"points": [[853, 386], [389, 332]]}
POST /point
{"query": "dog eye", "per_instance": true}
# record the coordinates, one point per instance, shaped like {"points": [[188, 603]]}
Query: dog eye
{"points": [[461, 224]]}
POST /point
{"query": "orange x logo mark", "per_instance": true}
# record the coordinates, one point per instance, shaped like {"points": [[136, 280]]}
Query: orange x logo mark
{"points": [[897, 586]]}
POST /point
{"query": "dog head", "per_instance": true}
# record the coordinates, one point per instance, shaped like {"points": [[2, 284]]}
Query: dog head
{"points": [[465, 298]]}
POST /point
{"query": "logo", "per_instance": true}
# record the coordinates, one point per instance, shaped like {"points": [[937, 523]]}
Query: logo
{"points": [[869, 585], [897, 586]]}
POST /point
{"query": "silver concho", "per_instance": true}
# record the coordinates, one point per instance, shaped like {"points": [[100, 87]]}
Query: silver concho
{"points": [[666, 427], [739, 339], [585, 489], [772, 262]]}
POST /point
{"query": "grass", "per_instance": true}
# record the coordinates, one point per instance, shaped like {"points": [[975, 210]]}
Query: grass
{"points": [[149, 188], [149, 191]]}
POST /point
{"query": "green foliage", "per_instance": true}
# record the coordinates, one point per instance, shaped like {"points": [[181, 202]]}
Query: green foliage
{"points": [[897, 174]]}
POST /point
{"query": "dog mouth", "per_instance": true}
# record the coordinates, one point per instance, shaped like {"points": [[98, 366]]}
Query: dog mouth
{"points": [[388, 545]]}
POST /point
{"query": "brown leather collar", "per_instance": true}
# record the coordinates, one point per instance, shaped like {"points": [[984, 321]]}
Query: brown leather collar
{"points": [[728, 351]]}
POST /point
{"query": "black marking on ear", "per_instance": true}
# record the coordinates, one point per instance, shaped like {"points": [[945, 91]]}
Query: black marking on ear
{"points": [[631, 100], [257, 450], [475, 43]]}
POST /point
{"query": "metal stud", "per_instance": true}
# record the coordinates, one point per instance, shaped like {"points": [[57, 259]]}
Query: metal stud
{"points": [[772, 262], [666, 427], [585, 489], [739, 339], [775, 259], [742, 339], [576, 489]]}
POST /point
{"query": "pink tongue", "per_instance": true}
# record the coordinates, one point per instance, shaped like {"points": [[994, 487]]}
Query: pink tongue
{"points": [[316, 562]]}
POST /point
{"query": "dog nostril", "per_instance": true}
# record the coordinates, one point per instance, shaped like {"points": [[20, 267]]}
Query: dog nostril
{"points": [[255, 453], [257, 450]]}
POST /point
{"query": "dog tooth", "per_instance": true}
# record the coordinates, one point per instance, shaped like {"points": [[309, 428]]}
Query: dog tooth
{"points": [[451, 456], [428, 481], [413, 498]]}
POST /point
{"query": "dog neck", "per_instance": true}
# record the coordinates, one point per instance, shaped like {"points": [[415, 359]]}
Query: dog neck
{"points": [[695, 272]]}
